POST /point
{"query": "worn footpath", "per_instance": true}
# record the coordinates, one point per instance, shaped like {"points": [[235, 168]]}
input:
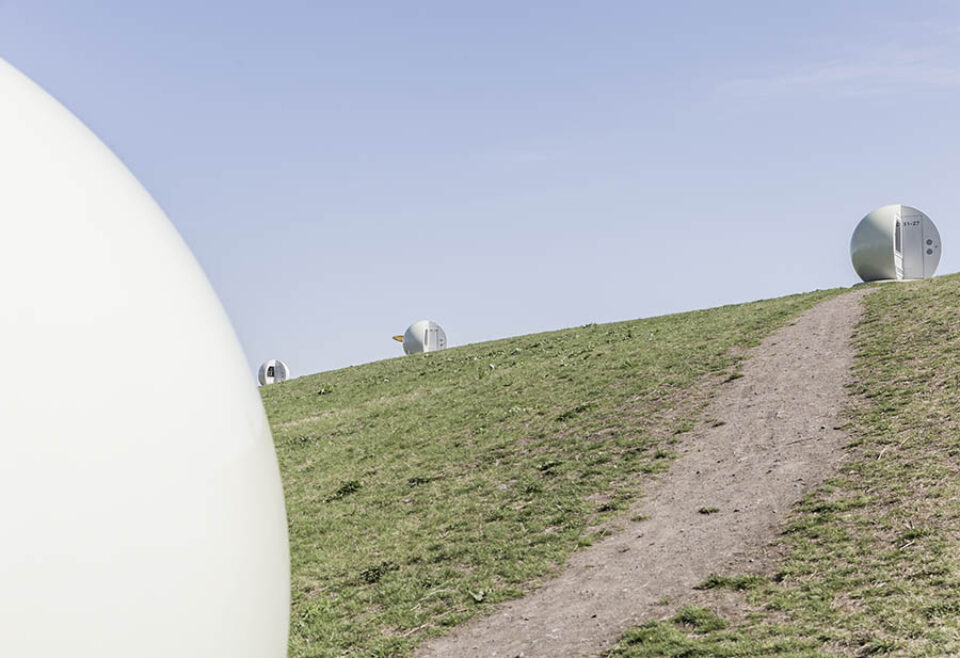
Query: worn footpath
{"points": [[775, 433]]}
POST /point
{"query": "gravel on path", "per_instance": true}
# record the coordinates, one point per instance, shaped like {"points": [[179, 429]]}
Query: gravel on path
{"points": [[777, 433]]}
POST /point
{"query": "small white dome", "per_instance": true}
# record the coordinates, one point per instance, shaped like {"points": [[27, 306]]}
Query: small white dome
{"points": [[424, 336], [273, 372]]}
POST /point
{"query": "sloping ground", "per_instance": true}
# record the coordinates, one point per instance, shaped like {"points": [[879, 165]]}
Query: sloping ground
{"points": [[774, 434], [423, 490], [869, 563]]}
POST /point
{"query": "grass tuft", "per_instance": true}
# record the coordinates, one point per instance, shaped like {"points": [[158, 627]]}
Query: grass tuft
{"points": [[699, 620], [737, 583]]}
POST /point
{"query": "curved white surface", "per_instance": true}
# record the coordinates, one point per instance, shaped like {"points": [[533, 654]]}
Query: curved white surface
{"points": [[424, 336], [873, 246], [142, 511], [272, 372]]}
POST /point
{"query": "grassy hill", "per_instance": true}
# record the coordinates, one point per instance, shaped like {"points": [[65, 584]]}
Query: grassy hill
{"points": [[871, 563], [422, 490]]}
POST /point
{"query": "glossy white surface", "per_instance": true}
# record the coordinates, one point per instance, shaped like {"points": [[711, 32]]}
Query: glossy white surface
{"points": [[424, 336], [141, 503], [272, 372], [874, 246]]}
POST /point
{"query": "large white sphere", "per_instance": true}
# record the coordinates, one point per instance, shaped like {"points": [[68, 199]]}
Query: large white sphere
{"points": [[272, 372], [424, 336], [140, 499], [895, 242]]}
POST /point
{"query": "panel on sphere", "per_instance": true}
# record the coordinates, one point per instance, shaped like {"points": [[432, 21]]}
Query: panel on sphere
{"points": [[911, 222], [931, 248]]}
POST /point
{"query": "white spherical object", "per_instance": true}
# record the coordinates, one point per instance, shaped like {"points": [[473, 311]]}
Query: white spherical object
{"points": [[895, 242], [272, 372], [424, 336], [140, 497]]}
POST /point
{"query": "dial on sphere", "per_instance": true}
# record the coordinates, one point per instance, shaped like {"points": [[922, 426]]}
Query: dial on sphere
{"points": [[895, 242], [142, 506]]}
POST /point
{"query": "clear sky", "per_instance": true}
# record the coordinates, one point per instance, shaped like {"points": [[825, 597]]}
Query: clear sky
{"points": [[342, 169]]}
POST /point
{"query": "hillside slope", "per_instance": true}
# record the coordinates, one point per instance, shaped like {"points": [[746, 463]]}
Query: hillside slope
{"points": [[422, 490], [774, 434], [870, 562]]}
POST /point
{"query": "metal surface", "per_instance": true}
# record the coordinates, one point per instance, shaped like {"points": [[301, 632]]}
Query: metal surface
{"points": [[424, 336], [272, 372], [920, 236], [895, 242], [142, 512]]}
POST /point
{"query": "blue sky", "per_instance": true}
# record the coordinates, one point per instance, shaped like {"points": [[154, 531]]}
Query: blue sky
{"points": [[343, 169]]}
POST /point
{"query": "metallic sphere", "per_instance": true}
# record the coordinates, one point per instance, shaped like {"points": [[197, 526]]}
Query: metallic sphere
{"points": [[424, 336], [272, 372], [897, 243]]}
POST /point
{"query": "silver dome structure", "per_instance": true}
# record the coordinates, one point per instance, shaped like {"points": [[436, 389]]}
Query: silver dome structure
{"points": [[895, 243], [273, 372], [423, 336]]}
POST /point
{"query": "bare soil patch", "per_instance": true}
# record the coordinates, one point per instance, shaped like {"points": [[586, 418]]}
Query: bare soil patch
{"points": [[775, 433]]}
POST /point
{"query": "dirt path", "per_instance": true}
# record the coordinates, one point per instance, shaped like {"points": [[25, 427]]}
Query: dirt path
{"points": [[779, 438]]}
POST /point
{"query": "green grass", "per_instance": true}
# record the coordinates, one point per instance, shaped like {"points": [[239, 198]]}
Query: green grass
{"points": [[737, 583], [423, 490], [872, 562]]}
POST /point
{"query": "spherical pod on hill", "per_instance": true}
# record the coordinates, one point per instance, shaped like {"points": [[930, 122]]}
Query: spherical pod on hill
{"points": [[424, 336], [140, 497], [895, 242], [273, 372]]}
